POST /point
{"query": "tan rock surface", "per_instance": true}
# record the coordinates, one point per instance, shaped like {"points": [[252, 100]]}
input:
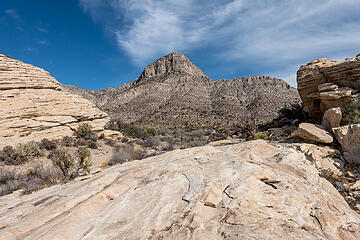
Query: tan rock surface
{"points": [[315, 133], [326, 84], [332, 118], [244, 191], [349, 138], [34, 106]]}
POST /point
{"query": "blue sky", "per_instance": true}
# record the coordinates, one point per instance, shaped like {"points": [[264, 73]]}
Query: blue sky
{"points": [[95, 44]]}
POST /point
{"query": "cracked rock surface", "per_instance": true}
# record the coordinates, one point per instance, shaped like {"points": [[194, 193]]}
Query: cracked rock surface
{"points": [[34, 106], [224, 190]]}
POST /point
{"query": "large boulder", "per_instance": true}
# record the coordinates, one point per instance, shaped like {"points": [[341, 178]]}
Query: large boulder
{"points": [[332, 118], [34, 106], [314, 133], [326, 84], [349, 138], [250, 190]]}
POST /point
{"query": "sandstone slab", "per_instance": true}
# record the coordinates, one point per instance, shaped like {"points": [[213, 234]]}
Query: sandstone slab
{"points": [[315, 133], [250, 190], [349, 138], [34, 106]]}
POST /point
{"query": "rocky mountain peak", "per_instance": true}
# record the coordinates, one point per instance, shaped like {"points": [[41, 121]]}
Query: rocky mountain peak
{"points": [[171, 63]]}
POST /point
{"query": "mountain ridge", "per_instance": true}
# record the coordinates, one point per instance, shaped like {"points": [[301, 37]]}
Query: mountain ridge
{"points": [[174, 90]]}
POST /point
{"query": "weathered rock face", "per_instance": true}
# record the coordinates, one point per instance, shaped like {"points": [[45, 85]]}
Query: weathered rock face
{"points": [[315, 133], [349, 138], [244, 191], [173, 90], [170, 63], [332, 118], [33, 105], [323, 85]]}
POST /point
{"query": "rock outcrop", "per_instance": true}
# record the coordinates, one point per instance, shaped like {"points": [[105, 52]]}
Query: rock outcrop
{"points": [[332, 118], [250, 190], [33, 105], [349, 138], [323, 85], [314, 133], [172, 90]]}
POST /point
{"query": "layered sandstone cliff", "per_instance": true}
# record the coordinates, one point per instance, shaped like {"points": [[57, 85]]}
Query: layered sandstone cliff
{"points": [[326, 84], [34, 106]]}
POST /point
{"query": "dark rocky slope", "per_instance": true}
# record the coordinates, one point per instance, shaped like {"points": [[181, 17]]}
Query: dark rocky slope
{"points": [[173, 90]]}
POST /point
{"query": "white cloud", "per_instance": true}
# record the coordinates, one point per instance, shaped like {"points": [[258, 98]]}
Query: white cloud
{"points": [[12, 13], [43, 42], [270, 33]]}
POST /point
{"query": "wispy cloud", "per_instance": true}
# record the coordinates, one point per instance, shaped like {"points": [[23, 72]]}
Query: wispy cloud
{"points": [[12, 13], [30, 49], [43, 42], [273, 33], [40, 29]]}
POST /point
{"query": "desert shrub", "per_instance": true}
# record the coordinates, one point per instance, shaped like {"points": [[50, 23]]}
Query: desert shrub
{"points": [[102, 136], [68, 141], [151, 142], [119, 157], [9, 156], [84, 158], [151, 131], [351, 114], [128, 129], [110, 142], [37, 177], [47, 144], [125, 154], [260, 135], [83, 130], [91, 144], [295, 111], [30, 149], [124, 140], [64, 161]]}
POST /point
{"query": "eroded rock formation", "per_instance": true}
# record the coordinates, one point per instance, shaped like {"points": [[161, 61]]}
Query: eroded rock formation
{"points": [[33, 105], [326, 84], [250, 190]]}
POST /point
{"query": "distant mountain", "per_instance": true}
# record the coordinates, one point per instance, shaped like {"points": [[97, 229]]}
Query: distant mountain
{"points": [[173, 90]]}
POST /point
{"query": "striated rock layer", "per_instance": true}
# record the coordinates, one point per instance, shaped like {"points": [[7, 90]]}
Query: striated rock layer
{"points": [[250, 190], [326, 84], [34, 106], [173, 90]]}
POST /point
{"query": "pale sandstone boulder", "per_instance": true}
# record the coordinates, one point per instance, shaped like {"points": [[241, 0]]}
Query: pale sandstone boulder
{"points": [[332, 118], [33, 105], [349, 138], [250, 190], [315, 133], [326, 84]]}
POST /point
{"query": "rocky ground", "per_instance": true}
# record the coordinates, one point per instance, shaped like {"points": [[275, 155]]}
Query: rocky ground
{"points": [[225, 190]]}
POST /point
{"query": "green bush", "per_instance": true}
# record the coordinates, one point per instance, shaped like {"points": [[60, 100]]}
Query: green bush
{"points": [[128, 129], [47, 144], [84, 158], [9, 156], [83, 130], [260, 135], [151, 131], [351, 114], [30, 149], [64, 161]]}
